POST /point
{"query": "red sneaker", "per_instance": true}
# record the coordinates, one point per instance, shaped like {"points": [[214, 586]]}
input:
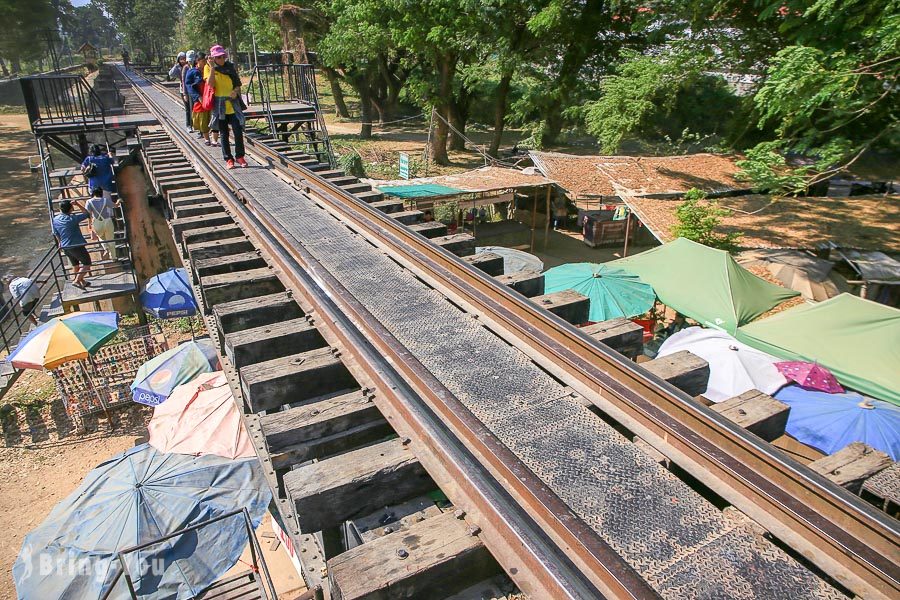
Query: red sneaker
{"points": [[241, 161], [229, 164]]}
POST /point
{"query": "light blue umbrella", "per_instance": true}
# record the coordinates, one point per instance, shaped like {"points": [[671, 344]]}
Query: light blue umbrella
{"points": [[828, 422], [169, 295], [613, 291], [157, 377], [137, 497]]}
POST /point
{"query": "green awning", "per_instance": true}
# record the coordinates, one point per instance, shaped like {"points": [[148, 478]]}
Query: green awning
{"points": [[705, 284], [422, 190], [857, 340]]}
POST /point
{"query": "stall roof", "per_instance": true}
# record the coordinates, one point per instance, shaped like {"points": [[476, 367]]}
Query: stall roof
{"points": [[608, 176], [854, 338], [420, 190], [865, 222], [485, 179], [876, 267], [705, 284]]}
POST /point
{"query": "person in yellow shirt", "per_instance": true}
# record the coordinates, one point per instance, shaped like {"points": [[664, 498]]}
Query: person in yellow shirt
{"points": [[227, 111]]}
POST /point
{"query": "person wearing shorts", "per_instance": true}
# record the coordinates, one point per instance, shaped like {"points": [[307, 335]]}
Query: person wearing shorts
{"points": [[67, 231]]}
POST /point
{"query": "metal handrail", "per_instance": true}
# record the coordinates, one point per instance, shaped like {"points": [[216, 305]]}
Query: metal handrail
{"points": [[62, 98], [49, 270], [256, 555]]}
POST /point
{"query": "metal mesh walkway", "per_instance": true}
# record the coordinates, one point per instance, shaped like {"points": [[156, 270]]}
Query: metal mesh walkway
{"points": [[680, 543]]}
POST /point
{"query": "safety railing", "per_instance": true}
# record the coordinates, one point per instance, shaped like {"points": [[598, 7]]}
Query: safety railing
{"points": [[62, 99], [47, 282], [286, 84], [265, 589]]}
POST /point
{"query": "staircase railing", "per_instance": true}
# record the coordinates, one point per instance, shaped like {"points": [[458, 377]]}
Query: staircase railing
{"points": [[48, 279], [285, 84], [62, 98]]}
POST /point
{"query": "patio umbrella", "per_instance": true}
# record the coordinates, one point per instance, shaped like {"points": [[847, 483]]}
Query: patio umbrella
{"points": [[829, 422], [514, 260], [613, 292], [169, 295], [157, 377], [809, 375], [70, 337], [734, 368], [134, 498], [200, 417]]}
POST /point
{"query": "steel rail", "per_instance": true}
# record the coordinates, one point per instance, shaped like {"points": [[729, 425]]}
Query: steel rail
{"points": [[516, 536], [849, 540]]}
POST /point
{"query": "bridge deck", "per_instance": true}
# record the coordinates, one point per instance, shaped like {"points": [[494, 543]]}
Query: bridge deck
{"points": [[680, 543]]}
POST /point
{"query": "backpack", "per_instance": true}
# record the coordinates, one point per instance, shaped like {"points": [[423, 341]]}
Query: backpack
{"points": [[89, 170]]}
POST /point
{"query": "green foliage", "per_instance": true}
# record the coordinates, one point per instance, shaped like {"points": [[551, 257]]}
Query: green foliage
{"points": [[24, 23], [698, 220], [352, 164], [90, 24], [147, 25]]}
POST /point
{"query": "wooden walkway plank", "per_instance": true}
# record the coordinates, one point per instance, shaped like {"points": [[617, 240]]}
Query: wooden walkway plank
{"points": [[331, 491], [434, 558], [686, 371]]}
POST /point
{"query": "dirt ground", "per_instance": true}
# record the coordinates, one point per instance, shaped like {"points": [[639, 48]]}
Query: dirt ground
{"points": [[24, 232]]}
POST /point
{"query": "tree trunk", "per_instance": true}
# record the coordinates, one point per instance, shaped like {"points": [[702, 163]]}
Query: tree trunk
{"points": [[3, 68], [232, 34], [446, 66], [340, 106], [365, 109], [500, 113], [15, 65], [458, 120]]}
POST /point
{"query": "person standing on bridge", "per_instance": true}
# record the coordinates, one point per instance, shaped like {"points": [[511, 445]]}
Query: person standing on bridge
{"points": [[227, 111], [176, 73], [193, 86], [67, 231], [98, 168]]}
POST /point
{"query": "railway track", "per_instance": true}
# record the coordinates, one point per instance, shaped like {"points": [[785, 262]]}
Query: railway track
{"points": [[479, 385]]}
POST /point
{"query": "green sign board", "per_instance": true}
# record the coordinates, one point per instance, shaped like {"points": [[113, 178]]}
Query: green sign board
{"points": [[404, 165], [621, 213]]}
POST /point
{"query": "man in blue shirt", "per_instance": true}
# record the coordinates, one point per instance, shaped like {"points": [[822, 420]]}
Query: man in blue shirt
{"points": [[101, 164], [67, 231]]}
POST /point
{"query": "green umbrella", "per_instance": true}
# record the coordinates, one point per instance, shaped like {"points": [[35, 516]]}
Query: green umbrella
{"points": [[613, 292]]}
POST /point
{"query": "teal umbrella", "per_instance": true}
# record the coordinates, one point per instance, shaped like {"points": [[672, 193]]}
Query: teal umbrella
{"points": [[613, 291]]}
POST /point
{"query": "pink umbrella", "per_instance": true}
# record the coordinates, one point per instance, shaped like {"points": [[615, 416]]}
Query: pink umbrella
{"points": [[810, 376], [200, 417]]}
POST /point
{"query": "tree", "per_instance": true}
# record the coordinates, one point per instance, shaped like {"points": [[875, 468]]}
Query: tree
{"points": [[148, 26], [214, 22], [23, 36], [698, 220], [90, 24]]}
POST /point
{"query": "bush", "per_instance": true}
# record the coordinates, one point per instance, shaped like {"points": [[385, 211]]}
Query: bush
{"points": [[698, 220], [352, 164]]}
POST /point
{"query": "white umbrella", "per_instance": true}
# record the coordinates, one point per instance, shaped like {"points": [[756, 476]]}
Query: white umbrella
{"points": [[734, 368]]}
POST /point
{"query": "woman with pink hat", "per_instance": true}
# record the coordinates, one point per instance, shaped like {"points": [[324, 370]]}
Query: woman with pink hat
{"points": [[227, 111]]}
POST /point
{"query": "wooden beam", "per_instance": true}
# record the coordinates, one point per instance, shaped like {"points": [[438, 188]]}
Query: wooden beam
{"points": [[431, 229], [527, 283], [328, 492], [209, 234], [322, 428], [883, 490], [236, 286], [568, 305], [179, 226], [271, 341], [294, 379], [622, 335], [231, 263], [195, 210], [490, 263], [688, 372], [215, 248], [460, 244], [756, 412], [255, 312], [434, 558], [408, 217], [852, 465]]}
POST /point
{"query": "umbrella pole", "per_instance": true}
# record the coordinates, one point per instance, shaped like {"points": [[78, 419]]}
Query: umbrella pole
{"points": [[90, 381]]}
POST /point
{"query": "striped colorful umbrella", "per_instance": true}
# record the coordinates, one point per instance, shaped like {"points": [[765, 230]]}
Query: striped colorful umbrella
{"points": [[70, 337]]}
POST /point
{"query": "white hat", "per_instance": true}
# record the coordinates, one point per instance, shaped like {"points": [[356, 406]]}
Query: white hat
{"points": [[191, 55]]}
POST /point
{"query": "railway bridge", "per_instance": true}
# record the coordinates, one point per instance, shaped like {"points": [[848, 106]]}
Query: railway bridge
{"points": [[433, 428]]}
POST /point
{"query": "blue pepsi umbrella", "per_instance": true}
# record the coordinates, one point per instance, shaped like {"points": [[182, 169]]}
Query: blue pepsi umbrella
{"points": [[137, 497], [169, 295], [157, 377], [829, 422]]}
